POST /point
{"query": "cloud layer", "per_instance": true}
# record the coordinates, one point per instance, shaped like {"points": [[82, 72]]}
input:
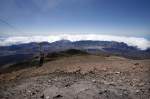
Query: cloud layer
{"points": [[140, 43]]}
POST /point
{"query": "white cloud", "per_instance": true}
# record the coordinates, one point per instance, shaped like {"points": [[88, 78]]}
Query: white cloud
{"points": [[140, 43]]}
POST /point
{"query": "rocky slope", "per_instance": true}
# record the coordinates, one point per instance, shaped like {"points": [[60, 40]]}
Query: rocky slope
{"points": [[23, 52], [80, 77]]}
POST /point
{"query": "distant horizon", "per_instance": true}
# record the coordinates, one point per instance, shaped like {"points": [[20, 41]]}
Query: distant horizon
{"points": [[147, 36], [138, 42]]}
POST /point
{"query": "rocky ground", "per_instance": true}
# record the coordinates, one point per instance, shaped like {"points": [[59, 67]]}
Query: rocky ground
{"points": [[80, 77]]}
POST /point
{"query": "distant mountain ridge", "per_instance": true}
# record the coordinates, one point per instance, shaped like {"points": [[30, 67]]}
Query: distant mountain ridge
{"points": [[29, 50]]}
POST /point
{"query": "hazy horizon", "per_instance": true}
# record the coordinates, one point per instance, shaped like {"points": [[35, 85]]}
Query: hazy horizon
{"points": [[138, 42]]}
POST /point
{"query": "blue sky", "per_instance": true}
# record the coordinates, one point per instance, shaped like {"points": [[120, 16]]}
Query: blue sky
{"points": [[43, 17]]}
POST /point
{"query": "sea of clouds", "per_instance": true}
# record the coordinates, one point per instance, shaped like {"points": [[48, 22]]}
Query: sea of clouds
{"points": [[140, 43]]}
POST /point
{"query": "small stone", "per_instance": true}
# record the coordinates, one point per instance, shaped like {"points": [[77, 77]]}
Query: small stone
{"points": [[67, 85], [92, 72], [112, 84], [136, 64], [29, 91], [49, 81], [42, 97], [55, 79], [141, 84], [125, 92], [101, 92], [137, 91], [105, 90], [104, 69], [47, 97], [117, 72], [37, 90], [58, 96], [33, 93], [94, 80]]}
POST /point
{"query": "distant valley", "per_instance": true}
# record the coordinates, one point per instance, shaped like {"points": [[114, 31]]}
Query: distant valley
{"points": [[22, 52]]}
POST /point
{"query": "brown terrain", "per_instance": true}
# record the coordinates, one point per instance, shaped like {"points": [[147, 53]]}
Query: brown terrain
{"points": [[80, 77]]}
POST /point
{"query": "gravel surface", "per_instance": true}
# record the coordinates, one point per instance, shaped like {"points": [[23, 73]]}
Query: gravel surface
{"points": [[110, 79]]}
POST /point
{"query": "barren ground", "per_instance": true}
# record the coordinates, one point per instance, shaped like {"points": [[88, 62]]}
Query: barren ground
{"points": [[80, 77]]}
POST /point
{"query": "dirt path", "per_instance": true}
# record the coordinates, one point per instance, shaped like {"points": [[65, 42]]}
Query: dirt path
{"points": [[80, 77]]}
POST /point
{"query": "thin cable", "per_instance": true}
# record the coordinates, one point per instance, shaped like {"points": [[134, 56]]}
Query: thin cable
{"points": [[10, 25]]}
